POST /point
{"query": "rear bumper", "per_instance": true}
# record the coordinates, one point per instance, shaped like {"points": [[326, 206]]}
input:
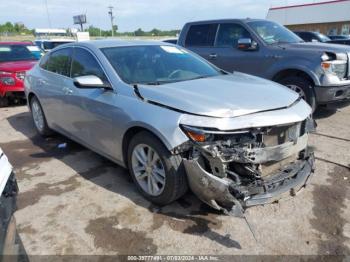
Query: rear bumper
{"points": [[331, 94], [218, 192]]}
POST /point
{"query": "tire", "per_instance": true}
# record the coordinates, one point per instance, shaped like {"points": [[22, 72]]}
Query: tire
{"points": [[4, 101], [301, 84], [175, 184], [40, 124]]}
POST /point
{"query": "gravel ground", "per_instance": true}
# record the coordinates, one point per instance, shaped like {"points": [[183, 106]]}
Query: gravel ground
{"points": [[73, 201]]}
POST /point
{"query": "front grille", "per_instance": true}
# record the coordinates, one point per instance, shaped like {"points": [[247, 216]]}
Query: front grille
{"points": [[21, 75]]}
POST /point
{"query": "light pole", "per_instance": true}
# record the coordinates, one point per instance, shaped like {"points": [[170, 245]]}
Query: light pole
{"points": [[110, 12]]}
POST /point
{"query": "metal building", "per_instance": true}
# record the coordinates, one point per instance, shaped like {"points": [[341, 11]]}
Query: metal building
{"points": [[328, 17]]}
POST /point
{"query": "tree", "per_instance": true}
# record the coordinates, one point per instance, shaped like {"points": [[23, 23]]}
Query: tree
{"points": [[139, 32]]}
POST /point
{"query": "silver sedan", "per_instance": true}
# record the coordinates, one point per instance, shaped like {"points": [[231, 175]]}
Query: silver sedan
{"points": [[175, 120]]}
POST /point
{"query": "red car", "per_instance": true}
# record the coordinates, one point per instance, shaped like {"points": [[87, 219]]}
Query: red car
{"points": [[15, 59]]}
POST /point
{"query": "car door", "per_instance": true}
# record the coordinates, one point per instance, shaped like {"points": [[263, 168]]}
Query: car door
{"points": [[200, 39], [93, 109], [54, 80], [227, 56]]}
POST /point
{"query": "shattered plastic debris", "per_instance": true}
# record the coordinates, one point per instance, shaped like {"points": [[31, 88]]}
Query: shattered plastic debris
{"points": [[63, 145]]}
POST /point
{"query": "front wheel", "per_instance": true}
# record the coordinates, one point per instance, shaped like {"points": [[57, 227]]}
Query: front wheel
{"points": [[158, 174], [303, 87]]}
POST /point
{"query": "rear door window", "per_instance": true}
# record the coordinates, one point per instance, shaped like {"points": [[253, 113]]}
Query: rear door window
{"points": [[201, 35], [59, 62], [84, 63]]}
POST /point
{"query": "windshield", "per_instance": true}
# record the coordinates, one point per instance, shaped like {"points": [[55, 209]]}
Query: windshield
{"points": [[35, 51], [273, 33], [323, 38], [10, 53], [155, 64]]}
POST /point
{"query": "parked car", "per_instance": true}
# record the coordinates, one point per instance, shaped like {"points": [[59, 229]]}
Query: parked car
{"points": [[318, 72], [48, 44], [172, 117], [9, 241], [318, 37], [15, 59], [339, 37], [308, 36], [343, 40]]}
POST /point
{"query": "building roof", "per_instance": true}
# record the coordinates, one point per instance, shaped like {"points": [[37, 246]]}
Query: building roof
{"points": [[313, 13]]}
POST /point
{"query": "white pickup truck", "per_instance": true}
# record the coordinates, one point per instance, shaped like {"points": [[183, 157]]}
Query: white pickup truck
{"points": [[8, 190]]}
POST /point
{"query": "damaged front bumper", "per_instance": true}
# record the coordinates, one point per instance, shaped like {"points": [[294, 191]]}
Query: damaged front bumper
{"points": [[231, 176], [221, 193]]}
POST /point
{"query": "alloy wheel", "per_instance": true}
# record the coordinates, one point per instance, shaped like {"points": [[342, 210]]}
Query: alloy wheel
{"points": [[38, 115], [148, 169], [299, 90]]}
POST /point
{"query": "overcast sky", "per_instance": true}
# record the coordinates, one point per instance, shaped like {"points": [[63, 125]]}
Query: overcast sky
{"points": [[133, 14]]}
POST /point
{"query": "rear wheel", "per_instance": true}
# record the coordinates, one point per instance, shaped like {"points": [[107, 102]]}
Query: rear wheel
{"points": [[303, 87], [39, 117], [4, 101], [158, 174]]}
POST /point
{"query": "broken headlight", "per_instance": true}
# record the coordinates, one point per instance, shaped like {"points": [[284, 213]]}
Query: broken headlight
{"points": [[197, 134], [335, 64], [207, 135]]}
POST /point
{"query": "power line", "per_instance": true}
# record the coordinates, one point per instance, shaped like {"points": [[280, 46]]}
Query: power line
{"points": [[48, 15]]}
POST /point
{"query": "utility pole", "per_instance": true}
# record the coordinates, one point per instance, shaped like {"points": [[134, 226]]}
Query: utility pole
{"points": [[110, 12]]}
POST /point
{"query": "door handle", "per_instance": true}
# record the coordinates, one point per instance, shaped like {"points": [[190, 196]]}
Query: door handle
{"points": [[273, 56], [67, 91], [41, 82], [213, 56]]}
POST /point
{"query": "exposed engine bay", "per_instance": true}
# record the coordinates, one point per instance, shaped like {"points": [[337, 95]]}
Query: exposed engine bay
{"points": [[233, 170]]}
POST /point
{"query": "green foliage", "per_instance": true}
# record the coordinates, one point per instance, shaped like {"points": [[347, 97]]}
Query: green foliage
{"points": [[95, 31], [16, 28], [19, 28]]}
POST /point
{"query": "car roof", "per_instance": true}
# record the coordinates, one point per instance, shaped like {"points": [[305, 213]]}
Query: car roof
{"points": [[16, 43], [227, 20], [116, 43]]}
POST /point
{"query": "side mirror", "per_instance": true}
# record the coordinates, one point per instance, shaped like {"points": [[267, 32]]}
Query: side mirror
{"points": [[90, 81], [247, 44]]}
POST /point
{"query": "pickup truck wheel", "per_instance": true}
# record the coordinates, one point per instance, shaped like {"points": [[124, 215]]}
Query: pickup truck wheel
{"points": [[303, 87], [4, 101], [158, 174], [39, 117]]}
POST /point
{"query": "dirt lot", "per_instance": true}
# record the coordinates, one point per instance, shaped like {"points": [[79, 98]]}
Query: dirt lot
{"points": [[72, 201]]}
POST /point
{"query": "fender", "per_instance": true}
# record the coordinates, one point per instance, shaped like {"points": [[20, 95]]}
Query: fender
{"points": [[303, 65]]}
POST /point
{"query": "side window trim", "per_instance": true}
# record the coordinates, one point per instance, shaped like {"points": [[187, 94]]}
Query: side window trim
{"points": [[94, 56]]}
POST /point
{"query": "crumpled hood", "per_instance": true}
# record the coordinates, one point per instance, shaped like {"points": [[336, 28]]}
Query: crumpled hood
{"points": [[222, 96], [17, 66], [318, 47]]}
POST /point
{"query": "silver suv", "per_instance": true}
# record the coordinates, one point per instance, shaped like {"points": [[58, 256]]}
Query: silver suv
{"points": [[175, 120]]}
